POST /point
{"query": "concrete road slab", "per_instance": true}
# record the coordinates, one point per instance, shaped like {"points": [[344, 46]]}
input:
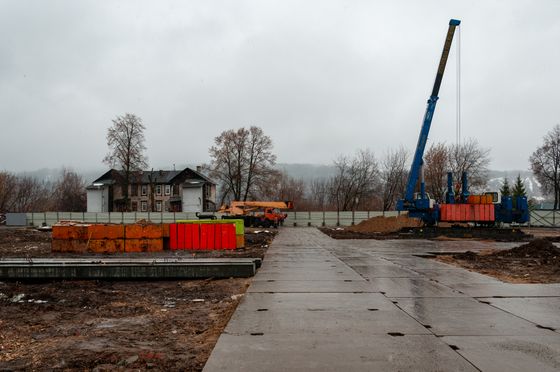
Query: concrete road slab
{"points": [[384, 271], [466, 316], [544, 311], [315, 286], [308, 275], [320, 321], [508, 289], [342, 352], [509, 353], [316, 301], [449, 276], [411, 287]]}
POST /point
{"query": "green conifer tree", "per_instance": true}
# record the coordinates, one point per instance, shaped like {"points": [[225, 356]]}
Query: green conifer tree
{"points": [[504, 190], [518, 187]]}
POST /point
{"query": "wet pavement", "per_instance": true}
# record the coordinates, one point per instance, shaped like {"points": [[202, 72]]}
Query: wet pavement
{"points": [[367, 305]]}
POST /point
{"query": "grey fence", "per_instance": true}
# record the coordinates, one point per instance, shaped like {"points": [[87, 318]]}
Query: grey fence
{"points": [[294, 218], [539, 217]]}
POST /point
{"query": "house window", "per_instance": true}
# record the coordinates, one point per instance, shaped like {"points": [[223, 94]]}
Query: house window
{"points": [[145, 191], [158, 206], [167, 189], [134, 191], [158, 189], [144, 206]]}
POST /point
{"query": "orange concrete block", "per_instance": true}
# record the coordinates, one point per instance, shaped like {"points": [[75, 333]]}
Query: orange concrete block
{"points": [[137, 231], [106, 245], [70, 232], [101, 231], [165, 230], [143, 245]]}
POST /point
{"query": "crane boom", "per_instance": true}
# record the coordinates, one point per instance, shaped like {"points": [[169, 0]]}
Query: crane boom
{"points": [[420, 207]]}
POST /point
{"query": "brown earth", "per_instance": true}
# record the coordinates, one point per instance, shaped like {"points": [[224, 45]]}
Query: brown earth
{"points": [[382, 224], [433, 233], [535, 262], [102, 325]]}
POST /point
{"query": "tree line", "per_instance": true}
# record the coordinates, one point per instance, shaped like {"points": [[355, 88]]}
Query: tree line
{"points": [[22, 193]]}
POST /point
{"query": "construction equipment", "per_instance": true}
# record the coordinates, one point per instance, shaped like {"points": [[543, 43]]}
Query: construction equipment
{"points": [[460, 209], [420, 204], [257, 213]]}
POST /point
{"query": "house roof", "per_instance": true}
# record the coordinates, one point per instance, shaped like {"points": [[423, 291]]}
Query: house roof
{"points": [[159, 176]]}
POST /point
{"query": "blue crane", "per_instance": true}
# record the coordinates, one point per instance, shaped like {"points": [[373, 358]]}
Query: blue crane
{"points": [[420, 205]]}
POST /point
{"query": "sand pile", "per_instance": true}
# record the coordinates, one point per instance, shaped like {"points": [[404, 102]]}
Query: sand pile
{"points": [[386, 224]]}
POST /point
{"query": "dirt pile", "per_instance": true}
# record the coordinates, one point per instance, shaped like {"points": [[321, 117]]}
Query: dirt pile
{"points": [[382, 224], [539, 249], [535, 262]]}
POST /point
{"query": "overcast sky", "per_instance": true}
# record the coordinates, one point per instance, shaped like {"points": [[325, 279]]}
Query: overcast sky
{"points": [[321, 78]]}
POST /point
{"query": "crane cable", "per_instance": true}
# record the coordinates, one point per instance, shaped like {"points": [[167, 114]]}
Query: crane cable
{"points": [[458, 113]]}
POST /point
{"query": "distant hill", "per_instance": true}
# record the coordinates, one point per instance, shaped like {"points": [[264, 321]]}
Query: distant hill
{"points": [[532, 186]]}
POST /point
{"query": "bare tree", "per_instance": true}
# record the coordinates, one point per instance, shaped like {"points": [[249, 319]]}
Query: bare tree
{"points": [[243, 163], [126, 150], [355, 183], [8, 188], [393, 174], [288, 188], [471, 158], [319, 194], [436, 166], [31, 195], [545, 164], [70, 192]]}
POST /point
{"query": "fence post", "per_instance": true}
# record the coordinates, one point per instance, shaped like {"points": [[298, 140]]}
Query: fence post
{"points": [[554, 217], [337, 217], [32, 219], [95, 217], [324, 218], [309, 218], [45, 218], [295, 218]]}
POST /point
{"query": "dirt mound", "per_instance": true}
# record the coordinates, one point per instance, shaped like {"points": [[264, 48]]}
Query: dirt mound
{"points": [[382, 224], [538, 248]]}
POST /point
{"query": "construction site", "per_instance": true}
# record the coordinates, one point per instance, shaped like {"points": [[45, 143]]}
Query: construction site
{"points": [[466, 283]]}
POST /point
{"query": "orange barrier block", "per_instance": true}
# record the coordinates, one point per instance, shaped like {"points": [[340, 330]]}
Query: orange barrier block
{"points": [[165, 229], [70, 232], [137, 231], [101, 231], [106, 245], [143, 245]]}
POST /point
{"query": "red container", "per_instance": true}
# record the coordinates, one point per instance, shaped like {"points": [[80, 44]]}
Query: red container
{"points": [[189, 231], [218, 244], [228, 236], [195, 234], [173, 236], [181, 236]]}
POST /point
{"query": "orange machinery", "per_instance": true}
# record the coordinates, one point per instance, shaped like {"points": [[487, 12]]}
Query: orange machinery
{"points": [[257, 213]]}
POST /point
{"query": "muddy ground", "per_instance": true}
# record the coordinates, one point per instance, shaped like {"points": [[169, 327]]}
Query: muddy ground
{"points": [[535, 262], [434, 233], [101, 325]]}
